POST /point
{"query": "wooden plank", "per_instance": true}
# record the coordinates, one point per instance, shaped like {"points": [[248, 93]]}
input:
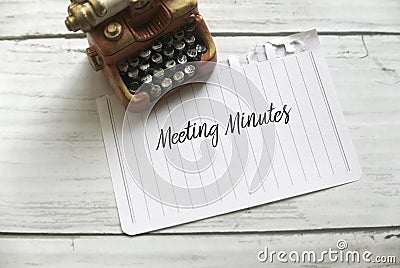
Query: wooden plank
{"points": [[228, 16], [193, 251], [53, 168]]}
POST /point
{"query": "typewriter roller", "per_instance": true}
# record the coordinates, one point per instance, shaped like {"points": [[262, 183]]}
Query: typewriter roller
{"points": [[139, 44]]}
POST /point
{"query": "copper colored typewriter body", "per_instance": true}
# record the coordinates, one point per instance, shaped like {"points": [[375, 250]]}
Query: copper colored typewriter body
{"points": [[133, 41]]}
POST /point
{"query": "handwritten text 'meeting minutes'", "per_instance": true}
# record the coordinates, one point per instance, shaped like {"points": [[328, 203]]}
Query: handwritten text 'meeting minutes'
{"points": [[236, 123]]}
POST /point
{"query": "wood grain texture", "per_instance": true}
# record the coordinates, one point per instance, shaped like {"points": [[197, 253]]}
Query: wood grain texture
{"points": [[184, 251], [54, 175], [28, 17]]}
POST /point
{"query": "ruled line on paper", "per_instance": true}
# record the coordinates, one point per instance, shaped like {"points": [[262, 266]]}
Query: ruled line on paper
{"points": [[322, 88], [137, 164], [241, 162], [315, 116], [180, 156], [208, 149], [128, 196], [262, 133], [301, 118], [290, 129], [151, 160], [252, 183], [193, 151], [168, 167], [226, 162], [280, 144]]}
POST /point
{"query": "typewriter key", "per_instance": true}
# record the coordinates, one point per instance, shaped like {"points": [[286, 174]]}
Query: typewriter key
{"points": [[167, 39], [179, 46], [145, 54], [157, 58], [133, 73], [179, 34], [133, 61], [179, 77], [166, 84], [147, 79], [201, 48], [123, 66], [190, 28], [170, 64], [189, 70], [133, 87], [181, 59], [168, 52], [192, 54], [155, 91], [190, 40], [157, 46], [144, 67], [158, 73]]}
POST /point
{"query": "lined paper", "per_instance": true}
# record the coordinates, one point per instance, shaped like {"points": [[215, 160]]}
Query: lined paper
{"points": [[194, 180]]}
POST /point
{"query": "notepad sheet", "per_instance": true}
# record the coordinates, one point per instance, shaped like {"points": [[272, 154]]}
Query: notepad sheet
{"points": [[251, 135]]}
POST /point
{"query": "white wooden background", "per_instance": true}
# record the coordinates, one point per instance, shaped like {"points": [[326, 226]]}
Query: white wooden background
{"points": [[57, 207]]}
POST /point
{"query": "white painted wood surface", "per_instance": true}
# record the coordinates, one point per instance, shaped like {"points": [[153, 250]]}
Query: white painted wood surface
{"points": [[186, 251], [56, 199], [32, 17]]}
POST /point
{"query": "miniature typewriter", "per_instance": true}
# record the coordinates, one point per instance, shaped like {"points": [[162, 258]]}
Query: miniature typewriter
{"points": [[139, 43]]}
